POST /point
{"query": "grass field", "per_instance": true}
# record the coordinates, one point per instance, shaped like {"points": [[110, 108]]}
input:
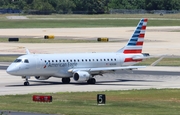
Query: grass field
{"points": [[163, 62], [129, 16], [78, 21], [82, 23], [131, 102]]}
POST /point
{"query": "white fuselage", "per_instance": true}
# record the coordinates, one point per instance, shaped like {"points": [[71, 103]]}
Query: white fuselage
{"points": [[57, 65]]}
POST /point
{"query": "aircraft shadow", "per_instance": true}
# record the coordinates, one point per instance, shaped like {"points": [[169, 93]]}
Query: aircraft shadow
{"points": [[120, 81], [123, 81], [143, 72]]}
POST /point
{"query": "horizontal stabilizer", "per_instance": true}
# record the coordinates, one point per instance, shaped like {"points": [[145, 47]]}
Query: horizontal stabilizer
{"points": [[145, 57]]}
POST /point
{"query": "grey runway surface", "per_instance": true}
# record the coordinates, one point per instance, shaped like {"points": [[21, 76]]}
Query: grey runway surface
{"points": [[153, 77]]}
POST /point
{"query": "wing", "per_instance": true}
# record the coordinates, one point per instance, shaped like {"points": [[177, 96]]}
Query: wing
{"points": [[103, 70]]}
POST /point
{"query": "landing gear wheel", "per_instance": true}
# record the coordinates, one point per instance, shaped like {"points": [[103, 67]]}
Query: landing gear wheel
{"points": [[65, 80], [91, 81], [26, 83]]}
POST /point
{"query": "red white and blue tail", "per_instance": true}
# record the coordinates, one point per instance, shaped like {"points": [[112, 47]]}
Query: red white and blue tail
{"points": [[135, 43]]}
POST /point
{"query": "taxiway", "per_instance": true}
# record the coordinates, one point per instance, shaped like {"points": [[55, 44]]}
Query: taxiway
{"points": [[150, 77]]}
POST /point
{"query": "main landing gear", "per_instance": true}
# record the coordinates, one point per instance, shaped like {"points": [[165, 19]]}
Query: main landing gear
{"points": [[91, 81], [65, 80]]}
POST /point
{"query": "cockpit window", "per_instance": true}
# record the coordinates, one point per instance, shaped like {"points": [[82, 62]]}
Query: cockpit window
{"points": [[20, 60], [17, 60], [26, 61]]}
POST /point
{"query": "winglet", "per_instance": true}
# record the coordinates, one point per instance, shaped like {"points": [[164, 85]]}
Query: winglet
{"points": [[27, 51]]}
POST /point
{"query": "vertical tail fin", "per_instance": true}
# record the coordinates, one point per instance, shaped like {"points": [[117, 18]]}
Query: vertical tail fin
{"points": [[27, 51], [135, 43]]}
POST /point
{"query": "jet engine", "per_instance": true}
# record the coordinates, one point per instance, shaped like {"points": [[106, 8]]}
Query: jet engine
{"points": [[42, 77], [81, 76]]}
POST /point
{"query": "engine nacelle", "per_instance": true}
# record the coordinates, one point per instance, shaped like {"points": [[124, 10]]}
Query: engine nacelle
{"points": [[42, 77], [81, 76]]}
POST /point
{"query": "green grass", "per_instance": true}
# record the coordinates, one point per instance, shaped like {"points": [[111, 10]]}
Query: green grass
{"points": [[72, 21], [60, 16], [131, 102], [7, 58], [82, 23], [164, 62]]}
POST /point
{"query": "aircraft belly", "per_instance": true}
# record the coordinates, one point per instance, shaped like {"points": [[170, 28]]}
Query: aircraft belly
{"points": [[129, 63], [62, 72]]}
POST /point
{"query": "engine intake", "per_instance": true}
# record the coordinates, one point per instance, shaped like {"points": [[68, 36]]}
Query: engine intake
{"points": [[81, 76]]}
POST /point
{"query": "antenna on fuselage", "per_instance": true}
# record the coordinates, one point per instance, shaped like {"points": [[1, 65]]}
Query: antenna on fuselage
{"points": [[27, 51]]}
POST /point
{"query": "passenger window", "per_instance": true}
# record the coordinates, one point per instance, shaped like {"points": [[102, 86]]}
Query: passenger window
{"points": [[111, 59], [56, 61], [108, 59], [63, 60], [89, 59], [104, 59], [96, 59], [59, 60], [74, 60], [52, 60], [49, 61], [26, 61], [45, 61]]}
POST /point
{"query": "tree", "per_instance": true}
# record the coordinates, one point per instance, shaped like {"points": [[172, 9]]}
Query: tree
{"points": [[42, 6], [123, 4], [172, 5], [19, 4], [87, 6], [97, 6], [91, 6], [65, 6]]}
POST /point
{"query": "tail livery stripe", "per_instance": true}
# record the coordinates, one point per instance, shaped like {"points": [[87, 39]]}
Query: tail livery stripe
{"points": [[132, 51], [141, 36], [139, 43], [137, 39]]}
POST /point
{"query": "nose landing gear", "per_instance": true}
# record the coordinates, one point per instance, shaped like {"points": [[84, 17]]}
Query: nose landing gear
{"points": [[26, 83]]}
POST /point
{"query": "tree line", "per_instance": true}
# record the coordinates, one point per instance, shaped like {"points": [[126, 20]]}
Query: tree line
{"points": [[87, 6]]}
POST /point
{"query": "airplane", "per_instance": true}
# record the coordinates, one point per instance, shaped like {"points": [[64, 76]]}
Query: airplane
{"points": [[82, 67]]}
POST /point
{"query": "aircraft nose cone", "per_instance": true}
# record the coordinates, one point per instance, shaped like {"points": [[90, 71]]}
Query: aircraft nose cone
{"points": [[12, 70]]}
